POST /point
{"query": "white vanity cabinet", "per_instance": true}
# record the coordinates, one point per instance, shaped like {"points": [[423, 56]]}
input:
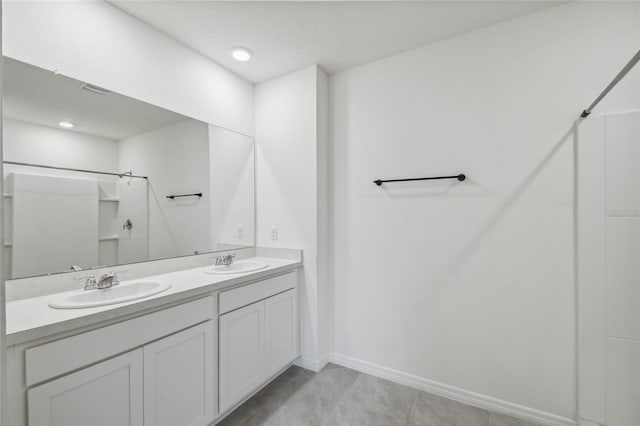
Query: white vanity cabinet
{"points": [[258, 335], [167, 382], [156, 369], [184, 363]]}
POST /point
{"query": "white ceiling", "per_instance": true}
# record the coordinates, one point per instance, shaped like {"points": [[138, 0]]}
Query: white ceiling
{"points": [[287, 36], [39, 96]]}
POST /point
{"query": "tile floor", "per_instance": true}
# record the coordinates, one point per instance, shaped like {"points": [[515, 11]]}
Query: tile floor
{"points": [[340, 396]]}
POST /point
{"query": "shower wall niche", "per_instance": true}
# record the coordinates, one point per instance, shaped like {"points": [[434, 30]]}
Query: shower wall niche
{"points": [[608, 269]]}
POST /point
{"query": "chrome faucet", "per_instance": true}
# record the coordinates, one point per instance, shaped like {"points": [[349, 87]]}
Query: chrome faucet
{"points": [[89, 283], [109, 280], [106, 281], [225, 260]]}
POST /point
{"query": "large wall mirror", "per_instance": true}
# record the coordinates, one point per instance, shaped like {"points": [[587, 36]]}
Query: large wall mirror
{"points": [[94, 178]]}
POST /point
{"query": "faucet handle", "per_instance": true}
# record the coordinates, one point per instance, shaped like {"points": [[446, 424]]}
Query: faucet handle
{"points": [[116, 279], [90, 281], [224, 259], [88, 276]]}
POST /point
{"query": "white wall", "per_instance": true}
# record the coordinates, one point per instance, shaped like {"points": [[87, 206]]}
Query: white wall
{"points": [[176, 160], [471, 285], [95, 42], [287, 170], [32, 143], [232, 183]]}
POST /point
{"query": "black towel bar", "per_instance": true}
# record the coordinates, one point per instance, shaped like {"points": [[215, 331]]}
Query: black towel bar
{"points": [[197, 194], [460, 177]]}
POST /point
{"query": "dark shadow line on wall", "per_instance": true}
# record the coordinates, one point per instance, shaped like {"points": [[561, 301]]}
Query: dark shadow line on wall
{"points": [[506, 206]]}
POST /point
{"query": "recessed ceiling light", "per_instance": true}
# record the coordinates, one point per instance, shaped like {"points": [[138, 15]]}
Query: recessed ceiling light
{"points": [[66, 124], [240, 53]]}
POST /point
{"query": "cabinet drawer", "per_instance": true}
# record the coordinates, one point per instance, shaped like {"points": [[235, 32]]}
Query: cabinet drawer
{"points": [[246, 295], [52, 359]]}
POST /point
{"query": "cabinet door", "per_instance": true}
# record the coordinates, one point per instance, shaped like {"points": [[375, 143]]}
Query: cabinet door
{"points": [[179, 378], [281, 331], [105, 394], [241, 353]]}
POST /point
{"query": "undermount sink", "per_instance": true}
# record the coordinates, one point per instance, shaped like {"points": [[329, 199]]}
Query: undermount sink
{"points": [[237, 267], [109, 296]]}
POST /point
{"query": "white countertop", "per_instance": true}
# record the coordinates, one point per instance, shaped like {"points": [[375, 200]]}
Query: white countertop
{"points": [[32, 318]]}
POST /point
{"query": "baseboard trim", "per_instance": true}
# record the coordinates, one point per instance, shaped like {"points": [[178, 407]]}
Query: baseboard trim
{"points": [[311, 364], [451, 392]]}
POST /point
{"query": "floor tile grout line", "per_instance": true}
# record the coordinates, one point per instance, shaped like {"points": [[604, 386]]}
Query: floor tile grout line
{"points": [[245, 420], [408, 419], [343, 395], [287, 381], [290, 380], [404, 420]]}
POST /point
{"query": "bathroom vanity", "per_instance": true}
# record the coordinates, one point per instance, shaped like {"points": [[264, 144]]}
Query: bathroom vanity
{"points": [[186, 356]]}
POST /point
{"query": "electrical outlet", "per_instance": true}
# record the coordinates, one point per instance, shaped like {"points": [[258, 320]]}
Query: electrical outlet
{"points": [[240, 229], [274, 232]]}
